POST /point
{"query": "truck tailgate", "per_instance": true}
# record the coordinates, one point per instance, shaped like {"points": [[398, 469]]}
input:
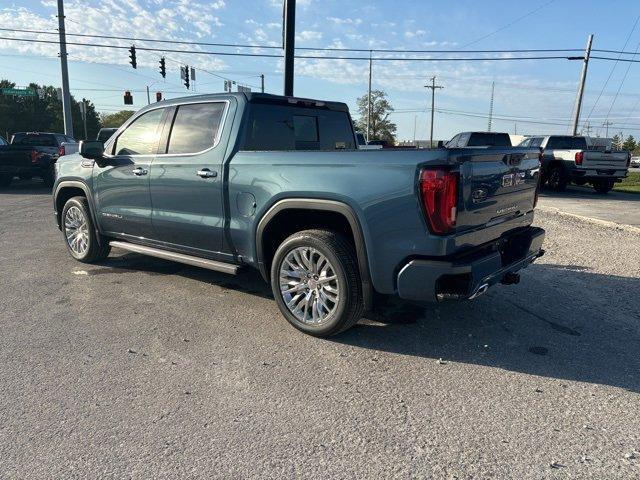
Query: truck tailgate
{"points": [[604, 160], [495, 185]]}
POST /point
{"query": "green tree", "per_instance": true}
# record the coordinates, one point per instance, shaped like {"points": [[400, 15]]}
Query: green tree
{"points": [[43, 113], [616, 142], [114, 120], [381, 127], [629, 144]]}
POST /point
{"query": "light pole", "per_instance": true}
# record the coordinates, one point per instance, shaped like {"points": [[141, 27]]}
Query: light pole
{"points": [[433, 87], [66, 96]]}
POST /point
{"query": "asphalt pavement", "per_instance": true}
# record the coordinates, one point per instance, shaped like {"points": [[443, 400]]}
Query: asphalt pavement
{"points": [[141, 368], [617, 207]]}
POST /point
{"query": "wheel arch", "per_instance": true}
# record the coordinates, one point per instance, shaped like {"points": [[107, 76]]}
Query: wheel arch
{"points": [[330, 207], [68, 189]]}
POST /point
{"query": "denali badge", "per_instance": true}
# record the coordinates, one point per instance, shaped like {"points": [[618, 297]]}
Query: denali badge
{"points": [[510, 208]]}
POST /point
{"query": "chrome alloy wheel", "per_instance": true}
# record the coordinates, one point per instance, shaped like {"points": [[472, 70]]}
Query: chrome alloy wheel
{"points": [[76, 231], [309, 285]]}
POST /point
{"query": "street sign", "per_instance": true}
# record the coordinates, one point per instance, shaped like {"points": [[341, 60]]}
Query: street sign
{"points": [[18, 92]]}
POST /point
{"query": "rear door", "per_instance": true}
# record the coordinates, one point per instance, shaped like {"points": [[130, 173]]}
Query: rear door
{"points": [[496, 185], [122, 188], [186, 181]]}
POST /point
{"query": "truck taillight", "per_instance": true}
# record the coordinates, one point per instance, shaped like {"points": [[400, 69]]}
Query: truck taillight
{"points": [[34, 156], [579, 157], [61, 151], [439, 195]]}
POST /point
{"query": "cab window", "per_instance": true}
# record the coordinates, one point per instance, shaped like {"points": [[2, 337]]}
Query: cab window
{"points": [[141, 136], [195, 127]]}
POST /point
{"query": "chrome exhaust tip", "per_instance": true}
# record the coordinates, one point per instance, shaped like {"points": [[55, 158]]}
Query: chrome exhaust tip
{"points": [[481, 290]]}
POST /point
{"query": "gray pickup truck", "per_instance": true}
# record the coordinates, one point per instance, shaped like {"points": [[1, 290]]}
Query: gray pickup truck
{"points": [[568, 159], [233, 181]]}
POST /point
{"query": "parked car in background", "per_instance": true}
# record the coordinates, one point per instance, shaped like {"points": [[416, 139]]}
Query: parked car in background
{"points": [[479, 140], [363, 145], [105, 134], [247, 180], [33, 154], [635, 162], [565, 159]]}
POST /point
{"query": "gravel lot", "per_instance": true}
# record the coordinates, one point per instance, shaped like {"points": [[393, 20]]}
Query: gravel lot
{"points": [[140, 368]]}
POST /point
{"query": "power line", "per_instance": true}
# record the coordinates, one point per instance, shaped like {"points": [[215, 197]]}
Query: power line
{"points": [[324, 49]]}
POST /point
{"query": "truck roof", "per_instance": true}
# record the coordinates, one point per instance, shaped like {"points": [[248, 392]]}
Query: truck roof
{"points": [[252, 97]]}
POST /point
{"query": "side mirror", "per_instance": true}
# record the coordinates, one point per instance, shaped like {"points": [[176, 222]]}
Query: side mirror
{"points": [[91, 149]]}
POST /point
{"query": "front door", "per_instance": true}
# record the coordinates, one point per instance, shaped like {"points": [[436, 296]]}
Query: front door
{"points": [[186, 181], [122, 188]]}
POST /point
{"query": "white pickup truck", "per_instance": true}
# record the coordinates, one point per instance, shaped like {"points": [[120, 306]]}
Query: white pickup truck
{"points": [[565, 159]]}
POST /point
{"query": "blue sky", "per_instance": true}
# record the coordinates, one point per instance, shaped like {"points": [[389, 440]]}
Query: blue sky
{"points": [[533, 96]]}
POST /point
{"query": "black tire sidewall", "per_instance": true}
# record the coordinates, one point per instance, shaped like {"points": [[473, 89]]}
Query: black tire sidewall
{"points": [[305, 239]]}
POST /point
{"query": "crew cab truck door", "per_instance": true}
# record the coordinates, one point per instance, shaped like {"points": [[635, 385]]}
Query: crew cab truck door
{"points": [[122, 187], [186, 179], [496, 184]]}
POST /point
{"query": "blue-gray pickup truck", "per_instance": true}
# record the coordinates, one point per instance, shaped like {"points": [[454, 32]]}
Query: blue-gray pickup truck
{"points": [[232, 181]]}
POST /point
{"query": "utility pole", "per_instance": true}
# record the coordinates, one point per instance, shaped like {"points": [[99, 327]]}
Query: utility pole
{"points": [[493, 88], [148, 97], [606, 125], [415, 121], [83, 110], [289, 25], [433, 87], [262, 82], [66, 96], [369, 98], [583, 79]]}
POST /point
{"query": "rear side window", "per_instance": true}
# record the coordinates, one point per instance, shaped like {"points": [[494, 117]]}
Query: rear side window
{"points": [[35, 140], [141, 136], [61, 139], [282, 128], [195, 127], [489, 140], [567, 143]]}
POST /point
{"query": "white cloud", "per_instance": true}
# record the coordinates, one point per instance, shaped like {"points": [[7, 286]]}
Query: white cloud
{"points": [[413, 34], [345, 21], [308, 35]]}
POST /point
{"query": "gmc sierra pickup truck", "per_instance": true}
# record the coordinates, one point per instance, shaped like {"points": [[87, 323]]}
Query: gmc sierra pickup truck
{"points": [[33, 154], [567, 159], [231, 181]]}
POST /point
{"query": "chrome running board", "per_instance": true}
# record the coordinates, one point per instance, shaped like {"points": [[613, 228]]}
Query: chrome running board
{"points": [[177, 257]]}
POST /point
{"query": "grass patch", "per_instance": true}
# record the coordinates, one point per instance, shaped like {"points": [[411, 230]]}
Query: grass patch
{"points": [[631, 184]]}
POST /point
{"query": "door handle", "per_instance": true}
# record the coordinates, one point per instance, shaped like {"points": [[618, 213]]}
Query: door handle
{"points": [[206, 173], [140, 171]]}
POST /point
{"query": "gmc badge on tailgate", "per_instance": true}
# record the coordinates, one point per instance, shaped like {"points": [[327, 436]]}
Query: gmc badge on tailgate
{"points": [[511, 179]]}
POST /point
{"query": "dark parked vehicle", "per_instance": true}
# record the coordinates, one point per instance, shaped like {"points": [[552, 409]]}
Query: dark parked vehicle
{"points": [[479, 140], [3, 142], [244, 180], [105, 134], [566, 158], [33, 154]]}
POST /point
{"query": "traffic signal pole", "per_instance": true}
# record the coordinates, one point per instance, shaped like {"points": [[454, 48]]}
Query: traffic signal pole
{"points": [[66, 95]]}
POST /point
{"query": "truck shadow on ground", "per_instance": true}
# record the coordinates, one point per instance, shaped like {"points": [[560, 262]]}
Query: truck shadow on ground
{"points": [[562, 322], [34, 186], [559, 322]]}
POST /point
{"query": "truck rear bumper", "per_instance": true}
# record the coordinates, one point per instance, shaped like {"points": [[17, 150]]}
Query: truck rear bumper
{"points": [[469, 275], [598, 174], [16, 170]]}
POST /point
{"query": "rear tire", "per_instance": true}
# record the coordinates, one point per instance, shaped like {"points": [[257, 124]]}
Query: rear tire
{"points": [[316, 282], [603, 186], [81, 238], [5, 180], [557, 179]]}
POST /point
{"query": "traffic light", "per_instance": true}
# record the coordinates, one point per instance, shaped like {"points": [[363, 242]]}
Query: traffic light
{"points": [[163, 68], [128, 98], [158, 96], [185, 75], [132, 56]]}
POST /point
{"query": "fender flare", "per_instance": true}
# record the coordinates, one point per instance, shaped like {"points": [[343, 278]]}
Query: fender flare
{"points": [[87, 191], [324, 205]]}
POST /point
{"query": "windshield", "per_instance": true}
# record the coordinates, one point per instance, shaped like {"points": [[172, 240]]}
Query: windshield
{"points": [[489, 140]]}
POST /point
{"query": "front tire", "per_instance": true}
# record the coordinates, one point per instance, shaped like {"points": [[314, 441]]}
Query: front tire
{"points": [[316, 282], [603, 186], [81, 238]]}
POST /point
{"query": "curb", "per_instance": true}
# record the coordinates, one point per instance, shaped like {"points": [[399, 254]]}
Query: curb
{"points": [[593, 221]]}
